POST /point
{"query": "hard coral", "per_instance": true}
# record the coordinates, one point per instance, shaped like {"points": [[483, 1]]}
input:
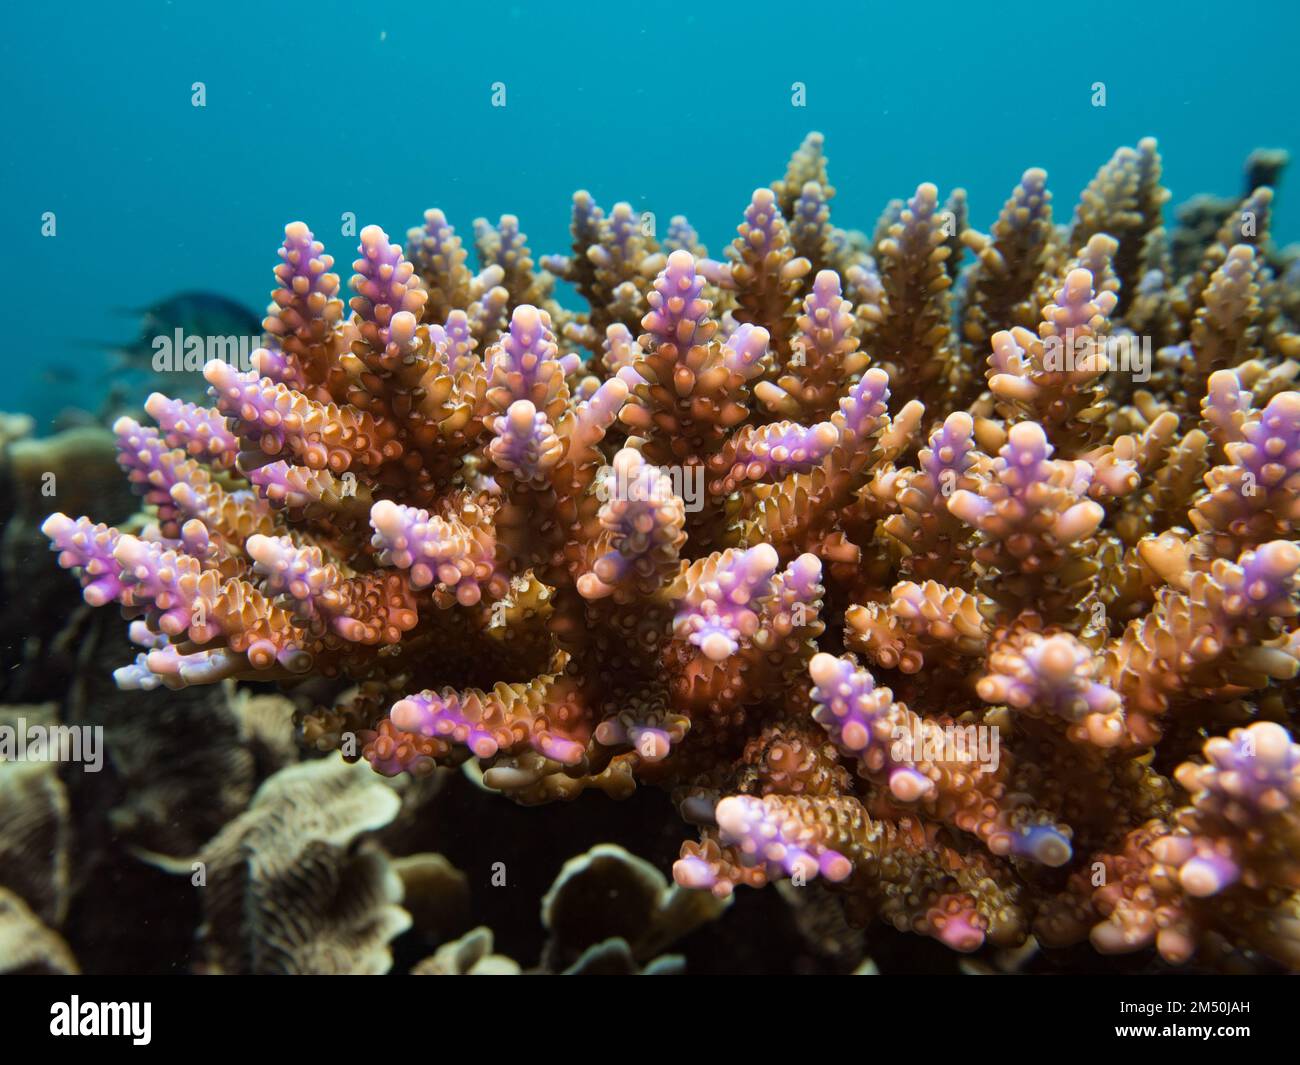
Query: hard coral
{"points": [[638, 566]]}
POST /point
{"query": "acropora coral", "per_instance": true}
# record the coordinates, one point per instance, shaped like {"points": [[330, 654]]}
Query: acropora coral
{"points": [[967, 589]]}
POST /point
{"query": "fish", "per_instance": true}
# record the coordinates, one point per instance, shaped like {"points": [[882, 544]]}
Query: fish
{"points": [[58, 373], [197, 314]]}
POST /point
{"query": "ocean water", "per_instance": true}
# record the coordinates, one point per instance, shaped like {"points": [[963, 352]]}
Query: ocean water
{"points": [[385, 109]]}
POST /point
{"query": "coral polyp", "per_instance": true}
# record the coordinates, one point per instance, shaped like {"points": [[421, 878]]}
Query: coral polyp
{"points": [[963, 590]]}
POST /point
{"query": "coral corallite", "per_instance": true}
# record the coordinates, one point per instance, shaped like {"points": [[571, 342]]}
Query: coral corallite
{"points": [[971, 603]]}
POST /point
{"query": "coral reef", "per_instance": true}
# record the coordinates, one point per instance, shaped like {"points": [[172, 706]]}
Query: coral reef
{"points": [[966, 591], [123, 869], [606, 914]]}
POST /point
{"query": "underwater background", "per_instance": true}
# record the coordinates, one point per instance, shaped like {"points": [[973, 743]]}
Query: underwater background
{"points": [[384, 110], [120, 192]]}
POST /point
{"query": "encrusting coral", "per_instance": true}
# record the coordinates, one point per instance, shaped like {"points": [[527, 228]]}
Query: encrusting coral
{"points": [[290, 888], [968, 589]]}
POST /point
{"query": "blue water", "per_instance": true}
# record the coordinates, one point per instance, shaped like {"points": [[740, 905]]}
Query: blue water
{"points": [[385, 109]]}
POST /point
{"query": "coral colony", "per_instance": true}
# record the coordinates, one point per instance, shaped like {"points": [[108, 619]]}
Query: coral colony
{"points": [[916, 580]]}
